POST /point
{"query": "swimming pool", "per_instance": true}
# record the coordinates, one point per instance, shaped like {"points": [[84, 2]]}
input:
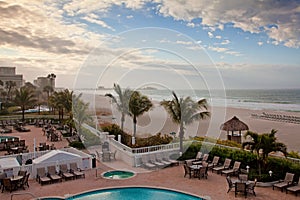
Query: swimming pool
{"points": [[3, 138], [134, 193], [118, 174]]}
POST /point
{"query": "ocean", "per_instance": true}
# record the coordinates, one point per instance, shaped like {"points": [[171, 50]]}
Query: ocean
{"points": [[272, 99]]}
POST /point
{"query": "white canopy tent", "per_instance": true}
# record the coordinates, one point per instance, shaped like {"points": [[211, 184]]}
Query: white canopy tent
{"points": [[9, 165]]}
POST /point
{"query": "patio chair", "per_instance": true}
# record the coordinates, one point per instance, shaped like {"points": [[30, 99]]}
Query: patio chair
{"points": [[41, 176], [214, 163], [188, 171], [225, 166], [197, 158], [295, 188], [203, 171], [22, 173], [240, 187], [113, 155], [233, 171], [24, 182], [146, 163], [76, 170], [251, 187], [64, 172], [7, 185], [53, 174], [288, 180], [243, 177], [230, 183]]}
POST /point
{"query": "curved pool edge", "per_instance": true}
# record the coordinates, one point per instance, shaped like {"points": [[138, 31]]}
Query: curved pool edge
{"points": [[137, 186]]}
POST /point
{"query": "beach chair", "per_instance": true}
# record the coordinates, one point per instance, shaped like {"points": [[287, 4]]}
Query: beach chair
{"points": [[64, 172], [214, 163], [233, 171], [288, 181], [76, 170], [53, 174], [146, 163], [295, 188], [225, 166], [41, 176]]}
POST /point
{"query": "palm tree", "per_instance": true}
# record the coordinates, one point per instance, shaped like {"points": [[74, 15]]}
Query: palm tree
{"points": [[138, 105], [80, 112], [24, 98], [52, 78], [122, 101], [262, 145], [184, 111]]}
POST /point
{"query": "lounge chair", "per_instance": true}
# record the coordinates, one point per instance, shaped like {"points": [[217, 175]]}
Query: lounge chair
{"points": [[147, 163], [233, 171], [167, 158], [214, 163], [295, 188], [53, 174], [197, 158], [76, 170], [155, 162], [64, 172], [225, 166], [204, 159], [240, 187], [251, 187], [288, 180], [41, 176], [160, 159], [230, 183]]}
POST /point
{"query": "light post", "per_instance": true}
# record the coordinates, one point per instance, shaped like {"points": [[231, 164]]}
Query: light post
{"points": [[247, 167], [270, 172]]}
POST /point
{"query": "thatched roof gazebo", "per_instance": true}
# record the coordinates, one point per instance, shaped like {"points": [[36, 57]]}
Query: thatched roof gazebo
{"points": [[233, 125]]}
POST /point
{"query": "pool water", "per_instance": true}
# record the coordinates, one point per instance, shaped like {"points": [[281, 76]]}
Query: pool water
{"points": [[3, 138], [134, 193], [118, 174]]}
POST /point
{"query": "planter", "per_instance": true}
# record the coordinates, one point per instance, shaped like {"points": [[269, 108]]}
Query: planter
{"points": [[266, 184]]}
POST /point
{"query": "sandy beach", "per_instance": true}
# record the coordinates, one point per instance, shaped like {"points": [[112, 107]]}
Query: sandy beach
{"points": [[157, 120]]}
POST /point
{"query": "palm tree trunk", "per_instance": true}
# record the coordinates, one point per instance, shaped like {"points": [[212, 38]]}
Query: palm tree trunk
{"points": [[122, 121], [134, 130], [23, 113], [181, 133]]}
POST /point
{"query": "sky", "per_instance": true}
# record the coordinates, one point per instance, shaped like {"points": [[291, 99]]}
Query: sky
{"points": [[165, 43]]}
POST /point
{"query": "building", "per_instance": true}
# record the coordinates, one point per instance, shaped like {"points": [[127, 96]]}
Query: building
{"points": [[9, 74], [42, 82]]}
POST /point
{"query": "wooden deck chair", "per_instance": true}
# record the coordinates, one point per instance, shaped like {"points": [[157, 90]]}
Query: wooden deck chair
{"points": [[288, 180], [41, 176]]}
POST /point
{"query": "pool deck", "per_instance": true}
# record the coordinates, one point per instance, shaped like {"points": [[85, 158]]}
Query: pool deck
{"points": [[215, 187]]}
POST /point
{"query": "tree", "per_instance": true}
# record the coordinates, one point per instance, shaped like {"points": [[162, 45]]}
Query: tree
{"points": [[24, 98], [122, 101], [262, 145], [138, 105], [52, 77], [80, 112], [184, 111], [9, 86]]}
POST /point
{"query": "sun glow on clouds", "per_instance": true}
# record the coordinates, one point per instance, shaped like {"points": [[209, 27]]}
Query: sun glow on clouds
{"points": [[40, 37]]}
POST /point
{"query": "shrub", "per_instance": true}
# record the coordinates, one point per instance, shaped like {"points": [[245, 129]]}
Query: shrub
{"points": [[77, 145]]}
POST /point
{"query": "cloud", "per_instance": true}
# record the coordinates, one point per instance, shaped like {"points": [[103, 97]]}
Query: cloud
{"points": [[224, 42], [251, 16], [92, 19], [210, 34], [129, 16], [260, 43]]}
